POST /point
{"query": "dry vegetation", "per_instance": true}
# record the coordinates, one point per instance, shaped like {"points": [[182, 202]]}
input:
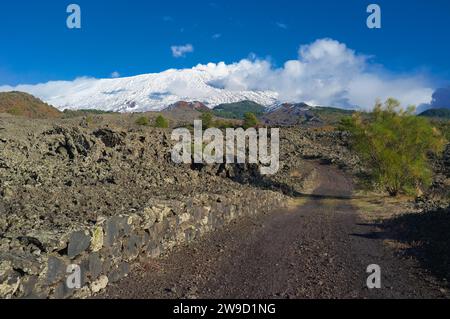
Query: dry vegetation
{"points": [[26, 105]]}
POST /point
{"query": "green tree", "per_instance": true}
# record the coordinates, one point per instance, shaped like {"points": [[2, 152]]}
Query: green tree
{"points": [[142, 120], [394, 144], [250, 120], [207, 119], [223, 124], [161, 122]]}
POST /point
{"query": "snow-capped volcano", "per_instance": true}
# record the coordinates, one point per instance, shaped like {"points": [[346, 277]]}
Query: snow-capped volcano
{"points": [[148, 92]]}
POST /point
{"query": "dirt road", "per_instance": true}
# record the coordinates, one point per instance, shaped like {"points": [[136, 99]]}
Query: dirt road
{"points": [[318, 249]]}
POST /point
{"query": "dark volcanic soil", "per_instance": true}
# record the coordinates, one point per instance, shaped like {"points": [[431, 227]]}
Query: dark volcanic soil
{"points": [[319, 249]]}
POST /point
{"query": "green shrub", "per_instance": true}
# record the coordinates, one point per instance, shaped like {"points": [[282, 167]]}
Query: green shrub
{"points": [[237, 110], [250, 120], [161, 122], [15, 111], [222, 124], [207, 120], [394, 144], [143, 120], [89, 119], [443, 126]]}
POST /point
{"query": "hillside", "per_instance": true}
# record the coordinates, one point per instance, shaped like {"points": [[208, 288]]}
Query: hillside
{"points": [[331, 115], [182, 113], [23, 104], [187, 106], [237, 110], [289, 114], [442, 113]]}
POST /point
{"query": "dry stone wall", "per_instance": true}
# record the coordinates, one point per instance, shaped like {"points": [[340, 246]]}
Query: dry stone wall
{"points": [[105, 251]]}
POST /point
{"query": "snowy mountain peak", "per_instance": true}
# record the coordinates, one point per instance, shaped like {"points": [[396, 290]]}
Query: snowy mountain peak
{"points": [[148, 92]]}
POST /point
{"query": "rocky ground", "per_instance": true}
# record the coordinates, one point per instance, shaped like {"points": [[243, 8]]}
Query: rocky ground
{"points": [[57, 174], [60, 176]]}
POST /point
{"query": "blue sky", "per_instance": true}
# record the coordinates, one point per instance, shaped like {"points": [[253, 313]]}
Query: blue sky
{"points": [[134, 36]]}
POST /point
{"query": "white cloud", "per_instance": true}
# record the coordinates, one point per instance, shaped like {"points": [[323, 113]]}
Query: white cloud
{"points": [[179, 51], [326, 72], [216, 36], [282, 25], [115, 75]]}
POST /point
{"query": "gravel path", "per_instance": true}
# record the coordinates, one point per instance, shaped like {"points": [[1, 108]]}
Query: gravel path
{"points": [[319, 249]]}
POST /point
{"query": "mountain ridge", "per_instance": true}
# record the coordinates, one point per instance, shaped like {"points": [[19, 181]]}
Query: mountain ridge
{"points": [[146, 92], [26, 105], [437, 113]]}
